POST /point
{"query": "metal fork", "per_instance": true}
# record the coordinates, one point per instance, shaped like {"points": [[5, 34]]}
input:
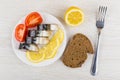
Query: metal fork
{"points": [[100, 19]]}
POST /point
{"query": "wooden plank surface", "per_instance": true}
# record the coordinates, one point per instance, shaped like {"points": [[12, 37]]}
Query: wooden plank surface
{"points": [[11, 68]]}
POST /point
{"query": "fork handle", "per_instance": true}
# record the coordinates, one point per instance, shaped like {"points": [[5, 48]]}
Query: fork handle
{"points": [[94, 68]]}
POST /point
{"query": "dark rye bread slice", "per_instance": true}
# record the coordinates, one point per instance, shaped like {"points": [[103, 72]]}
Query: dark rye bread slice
{"points": [[76, 51]]}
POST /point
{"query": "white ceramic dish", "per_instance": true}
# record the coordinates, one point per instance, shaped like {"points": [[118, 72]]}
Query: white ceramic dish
{"points": [[22, 55]]}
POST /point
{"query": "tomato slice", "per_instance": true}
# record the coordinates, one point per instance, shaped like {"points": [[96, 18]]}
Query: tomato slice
{"points": [[20, 32], [33, 19]]}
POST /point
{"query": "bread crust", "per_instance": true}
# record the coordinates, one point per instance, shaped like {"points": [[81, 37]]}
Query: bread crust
{"points": [[76, 51]]}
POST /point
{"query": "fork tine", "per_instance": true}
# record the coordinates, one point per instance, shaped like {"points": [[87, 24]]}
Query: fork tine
{"points": [[101, 13], [105, 10], [104, 13]]}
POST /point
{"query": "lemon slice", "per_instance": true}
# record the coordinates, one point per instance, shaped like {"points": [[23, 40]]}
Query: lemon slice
{"points": [[59, 35], [51, 49], [74, 16], [35, 57]]}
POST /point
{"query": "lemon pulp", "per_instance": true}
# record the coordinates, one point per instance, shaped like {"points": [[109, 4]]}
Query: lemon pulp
{"points": [[74, 16], [35, 57]]}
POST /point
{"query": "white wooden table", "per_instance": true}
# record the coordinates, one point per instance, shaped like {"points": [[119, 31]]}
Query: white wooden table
{"points": [[11, 68]]}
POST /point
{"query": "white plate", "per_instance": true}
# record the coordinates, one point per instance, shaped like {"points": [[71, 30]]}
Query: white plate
{"points": [[47, 18]]}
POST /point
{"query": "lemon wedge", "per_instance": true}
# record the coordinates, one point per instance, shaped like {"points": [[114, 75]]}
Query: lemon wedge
{"points": [[35, 57], [74, 16]]}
